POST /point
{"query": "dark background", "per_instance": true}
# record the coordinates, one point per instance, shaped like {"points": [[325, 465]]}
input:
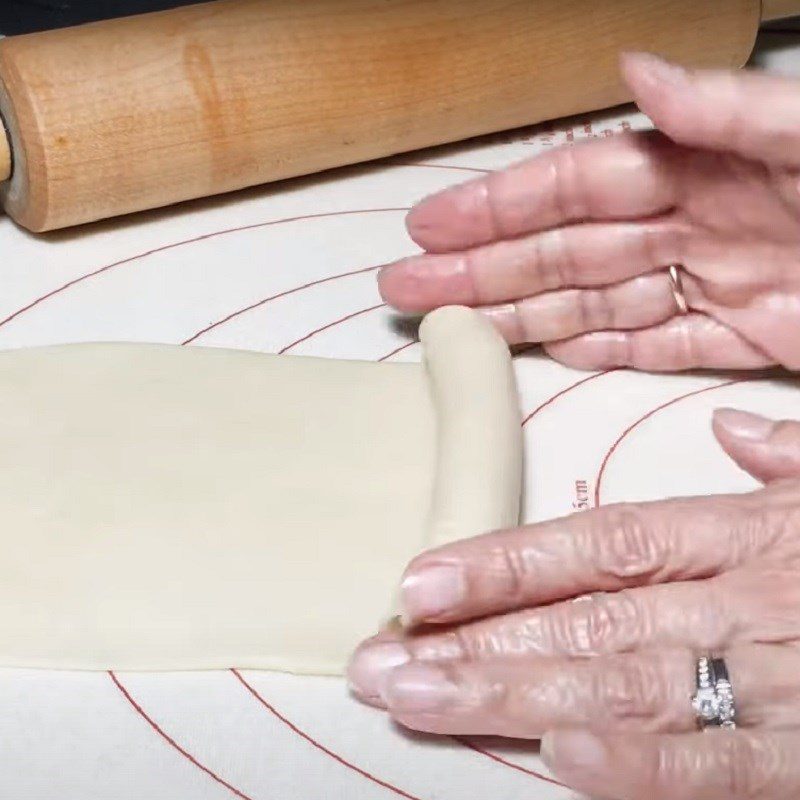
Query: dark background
{"points": [[24, 16]]}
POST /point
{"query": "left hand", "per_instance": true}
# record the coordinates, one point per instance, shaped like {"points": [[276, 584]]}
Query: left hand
{"points": [[586, 631], [570, 248]]}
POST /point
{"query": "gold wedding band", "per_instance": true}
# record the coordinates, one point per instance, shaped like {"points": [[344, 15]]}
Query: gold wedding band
{"points": [[676, 284]]}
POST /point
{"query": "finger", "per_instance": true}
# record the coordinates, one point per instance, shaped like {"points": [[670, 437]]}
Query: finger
{"points": [[602, 550], [768, 450], [718, 765], [732, 609], [553, 316], [692, 341], [647, 691], [624, 177], [577, 256], [754, 114]]}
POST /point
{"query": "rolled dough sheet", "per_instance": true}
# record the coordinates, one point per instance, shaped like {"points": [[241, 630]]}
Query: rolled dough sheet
{"points": [[187, 508]]}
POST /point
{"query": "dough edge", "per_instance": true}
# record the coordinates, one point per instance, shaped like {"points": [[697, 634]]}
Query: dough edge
{"points": [[478, 472]]}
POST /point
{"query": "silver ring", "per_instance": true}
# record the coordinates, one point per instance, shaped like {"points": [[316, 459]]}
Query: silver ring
{"points": [[713, 702], [676, 284]]}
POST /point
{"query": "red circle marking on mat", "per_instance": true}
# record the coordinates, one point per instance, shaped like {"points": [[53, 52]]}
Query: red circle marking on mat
{"points": [[307, 737], [330, 325], [506, 763], [624, 435], [202, 238], [138, 708], [399, 350], [171, 742], [292, 726], [277, 296], [314, 743], [563, 392]]}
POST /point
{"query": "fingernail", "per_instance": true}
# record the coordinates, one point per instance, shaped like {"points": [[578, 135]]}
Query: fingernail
{"points": [[384, 278], [422, 219], [432, 591], [574, 753], [419, 283], [506, 321], [371, 664], [419, 689], [454, 218], [658, 69], [386, 271], [744, 425]]}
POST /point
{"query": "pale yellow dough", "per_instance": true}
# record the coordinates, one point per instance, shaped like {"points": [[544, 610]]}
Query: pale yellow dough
{"points": [[186, 508]]}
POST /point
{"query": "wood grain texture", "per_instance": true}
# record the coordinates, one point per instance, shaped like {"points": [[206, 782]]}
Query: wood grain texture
{"points": [[120, 116], [779, 9]]}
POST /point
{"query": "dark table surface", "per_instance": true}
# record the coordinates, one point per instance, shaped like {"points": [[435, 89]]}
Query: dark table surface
{"points": [[24, 16]]}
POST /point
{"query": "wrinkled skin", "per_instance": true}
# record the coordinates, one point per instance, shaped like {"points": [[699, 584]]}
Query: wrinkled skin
{"points": [[569, 248], [585, 630]]}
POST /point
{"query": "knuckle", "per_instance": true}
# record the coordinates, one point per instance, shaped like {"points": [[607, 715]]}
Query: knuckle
{"points": [[569, 194], [631, 691], [604, 623], [595, 311], [783, 504], [687, 349], [523, 327], [751, 767], [469, 643], [638, 352], [551, 263], [442, 647], [471, 267], [626, 547], [748, 531], [768, 522], [671, 767], [492, 191], [517, 574]]}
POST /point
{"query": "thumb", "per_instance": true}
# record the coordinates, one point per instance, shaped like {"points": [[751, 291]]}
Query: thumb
{"points": [[767, 450], [754, 114]]}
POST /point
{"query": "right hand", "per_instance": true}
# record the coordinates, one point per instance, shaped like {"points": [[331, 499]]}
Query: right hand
{"points": [[569, 248], [587, 629]]}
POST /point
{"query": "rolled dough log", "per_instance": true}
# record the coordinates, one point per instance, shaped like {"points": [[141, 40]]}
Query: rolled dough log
{"points": [[186, 508]]}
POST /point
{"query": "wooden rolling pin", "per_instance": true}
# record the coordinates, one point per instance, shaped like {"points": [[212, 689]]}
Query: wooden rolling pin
{"points": [[130, 114]]}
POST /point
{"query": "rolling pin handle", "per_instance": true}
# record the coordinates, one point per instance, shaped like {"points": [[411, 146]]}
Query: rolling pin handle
{"points": [[5, 154]]}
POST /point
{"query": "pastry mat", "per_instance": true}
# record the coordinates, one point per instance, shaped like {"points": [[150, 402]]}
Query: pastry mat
{"points": [[291, 269]]}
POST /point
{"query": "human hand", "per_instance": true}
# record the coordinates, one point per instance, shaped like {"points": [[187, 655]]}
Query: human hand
{"points": [[570, 248], [587, 629]]}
